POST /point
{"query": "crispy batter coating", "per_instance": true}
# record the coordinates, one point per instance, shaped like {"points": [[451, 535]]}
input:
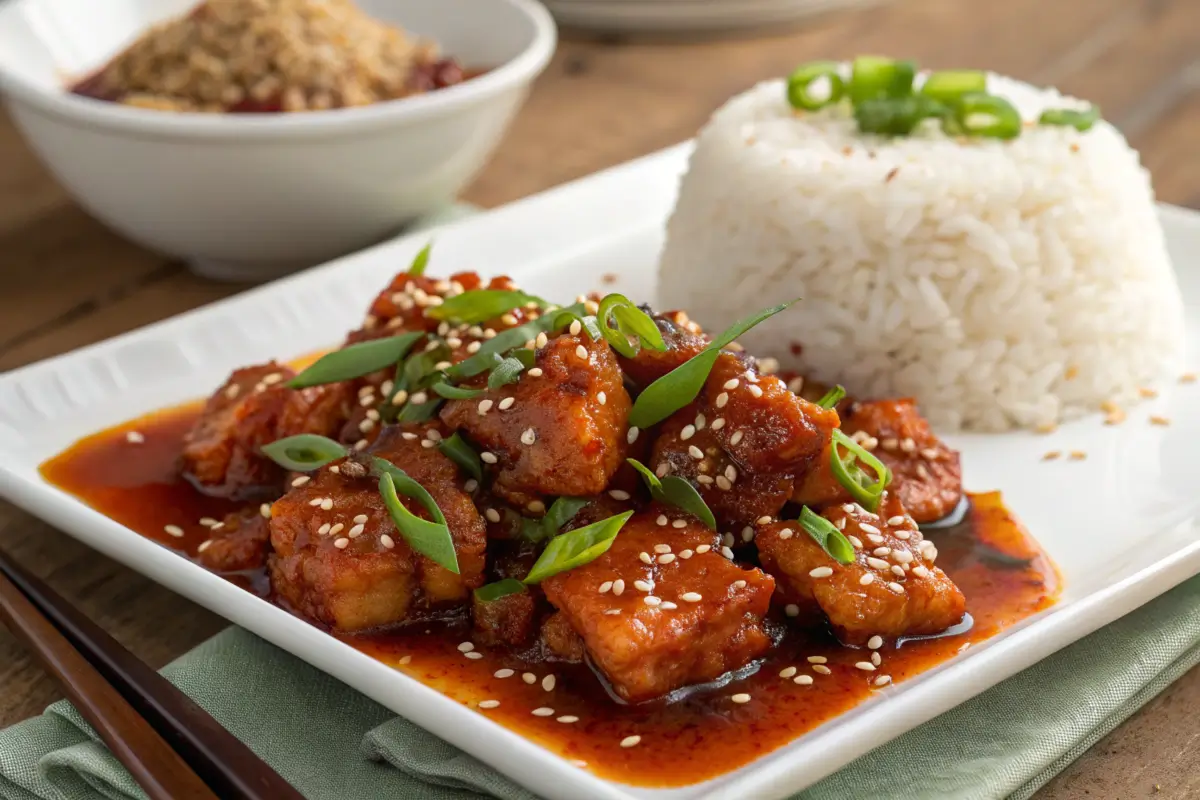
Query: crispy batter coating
{"points": [[239, 543], [904, 595], [509, 621], [704, 617], [353, 578]]}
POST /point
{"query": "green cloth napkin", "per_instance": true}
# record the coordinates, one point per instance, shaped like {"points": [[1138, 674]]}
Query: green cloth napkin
{"points": [[334, 744]]}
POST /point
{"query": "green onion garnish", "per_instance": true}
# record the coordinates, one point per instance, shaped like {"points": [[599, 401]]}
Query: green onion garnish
{"points": [[896, 116], [832, 397], [483, 360], [305, 452], [498, 589], [872, 77], [430, 539], [982, 114], [419, 412], [680, 386], [866, 491], [626, 327], [1079, 120], [419, 373], [458, 451], [507, 371], [588, 323], [356, 360], [451, 392], [800, 85], [576, 548], [480, 305], [562, 511], [417, 269], [825, 533], [675, 491], [948, 85]]}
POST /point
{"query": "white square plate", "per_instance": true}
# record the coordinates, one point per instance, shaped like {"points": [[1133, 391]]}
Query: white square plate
{"points": [[1119, 524]]}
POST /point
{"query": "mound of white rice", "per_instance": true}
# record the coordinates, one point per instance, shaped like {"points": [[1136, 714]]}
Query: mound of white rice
{"points": [[1002, 284]]}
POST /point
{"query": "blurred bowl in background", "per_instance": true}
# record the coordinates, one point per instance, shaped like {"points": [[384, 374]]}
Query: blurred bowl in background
{"points": [[703, 17], [253, 196]]}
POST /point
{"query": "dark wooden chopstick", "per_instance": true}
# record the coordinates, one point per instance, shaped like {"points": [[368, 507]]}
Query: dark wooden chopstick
{"points": [[218, 758]]}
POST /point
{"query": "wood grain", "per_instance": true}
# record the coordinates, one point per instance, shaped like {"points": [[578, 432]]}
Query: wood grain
{"points": [[69, 282]]}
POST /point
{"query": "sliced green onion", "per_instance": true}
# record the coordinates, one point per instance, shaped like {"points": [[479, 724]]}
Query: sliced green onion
{"points": [[483, 360], [588, 323], [680, 386], [675, 491], [305, 452], [451, 392], [420, 373], [430, 539], [866, 491], [562, 511], [626, 327], [498, 589], [507, 371], [896, 116], [419, 412], [832, 397], [480, 305], [800, 84], [356, 360], [458, 451], [576, 548], [1079, 120], [948, 85], [872, 77], [982, 114], [417, 269], [825, 533]]}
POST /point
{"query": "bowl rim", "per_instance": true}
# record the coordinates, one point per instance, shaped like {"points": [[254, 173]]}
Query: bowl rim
{"points": [[520, 69]]}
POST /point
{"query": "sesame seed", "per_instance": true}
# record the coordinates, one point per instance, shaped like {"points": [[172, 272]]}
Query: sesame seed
{"points": [[876, 659], [662, 469], [536, 506], [740, 698], [803, 680], [731, 384], [787, 672], [630, 741], [575, 328], [722, 399], [541, 340], [739, 584], [1077, 455], [488, 458], [902, 556], [792, 610], [400, 398], [854, 540], [327, 504], [688, 432], [818, 660], [754, 390], [1051, 455], [361, 444], [492, 515], [173, 530], [895, 587], [666, 558], [601, 398], [704, 548], [489, 703], [691, 597], [875, 538], [324, 529], [662, 548], [662, 519], [643, 586], [265, 510], [567, 719], [667, 605], [470, 485], [484, 407], [725, 551], [704, 480], [406, 659], [503, 673], [341, 544], [208, 522], [881, 551], [695, 452], [1157, 420], [645, 557], [387, 541], [543, 712], [679, 523], [786, 533], [548, 683], [820, 572], [737, 437], [466, 647], [428, 444], [902, 535], [233, 391], [618, 494], [631, 435], [723, 483], [921, 571], [700, 422], [821, 669], [651, 600], [685, 554], [867, 527], [865, 666], [718, 423], [581, 351], [135, 437], [529, 436], [618, 587], [536, 372], [529, 678], [883, 680], [419, 398], [866, 579], [316, 501]]}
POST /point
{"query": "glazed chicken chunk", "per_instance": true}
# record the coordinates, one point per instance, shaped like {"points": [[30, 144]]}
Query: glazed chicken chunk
{"points": [[560, 430], [237, 543], [663, 609], [338, 557], [891, 589], [926, 474]]}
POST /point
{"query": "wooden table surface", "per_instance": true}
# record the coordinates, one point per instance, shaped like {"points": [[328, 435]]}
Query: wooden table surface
{"points": [[69, 282]]}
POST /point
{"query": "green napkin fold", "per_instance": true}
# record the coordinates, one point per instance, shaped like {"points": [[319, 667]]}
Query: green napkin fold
{"points": [[334, 744]]}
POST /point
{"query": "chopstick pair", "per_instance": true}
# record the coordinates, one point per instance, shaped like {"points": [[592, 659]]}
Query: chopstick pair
{"points": [[173, 749]]}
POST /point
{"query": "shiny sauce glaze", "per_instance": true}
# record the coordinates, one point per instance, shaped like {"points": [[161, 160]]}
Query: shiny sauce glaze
{"points": [[705, 732]]}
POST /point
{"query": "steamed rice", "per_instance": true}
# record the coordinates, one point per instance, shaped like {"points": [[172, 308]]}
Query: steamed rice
{"points": [[1001, 284]]}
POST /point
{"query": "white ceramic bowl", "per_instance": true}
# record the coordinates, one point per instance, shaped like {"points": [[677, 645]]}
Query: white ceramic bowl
{"points": [[250, 196]]}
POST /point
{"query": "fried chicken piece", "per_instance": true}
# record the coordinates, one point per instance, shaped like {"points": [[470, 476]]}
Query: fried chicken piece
{"points": [[240, 542], [892, 589], [347, 566], [683, 339], [510, 621], [322, 410], [926, 474], [560, 641], [563, 432], [221, 452], [704, 617]]}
